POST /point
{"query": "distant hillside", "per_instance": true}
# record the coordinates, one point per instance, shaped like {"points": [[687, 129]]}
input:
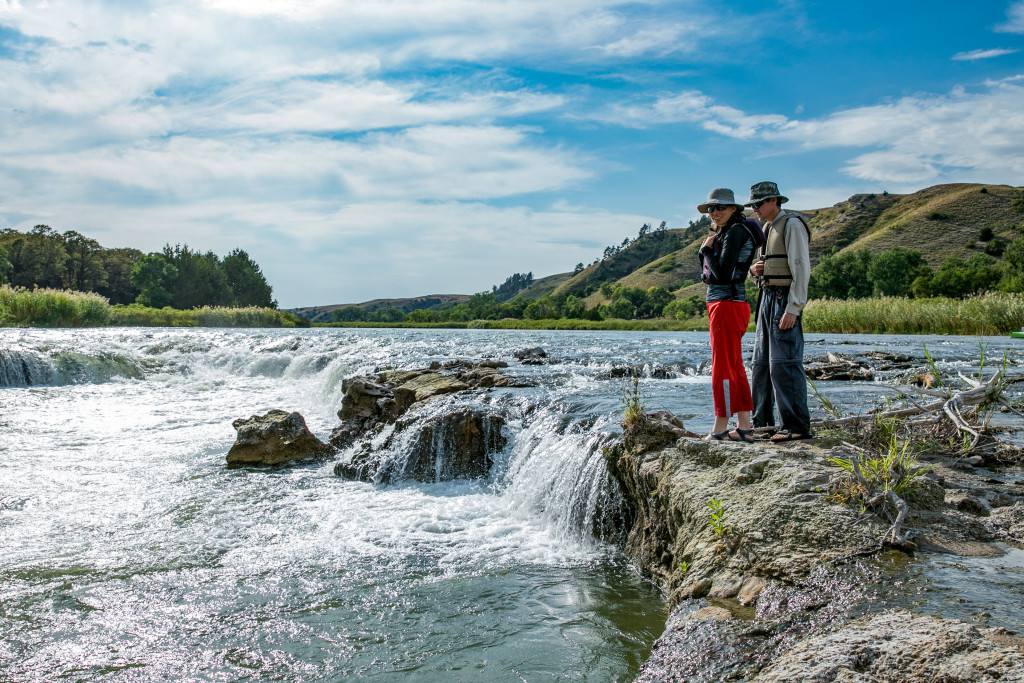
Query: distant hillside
{"points": [[322, 314], [942, 221]]}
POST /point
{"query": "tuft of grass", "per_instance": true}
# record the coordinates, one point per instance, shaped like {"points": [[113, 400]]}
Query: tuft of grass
{"points": [[634, 402], [52, 308], [894, 469]]}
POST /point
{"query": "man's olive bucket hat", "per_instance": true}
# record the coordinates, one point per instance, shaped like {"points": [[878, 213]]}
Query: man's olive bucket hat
{"points": [[765, 190], [719, 195]]}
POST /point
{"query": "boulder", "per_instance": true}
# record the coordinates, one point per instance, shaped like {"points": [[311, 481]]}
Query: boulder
{"points": [[454, 445], [274, 438]]}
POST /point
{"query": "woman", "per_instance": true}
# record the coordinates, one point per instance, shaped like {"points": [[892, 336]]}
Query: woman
{"points": [[725, 257]]}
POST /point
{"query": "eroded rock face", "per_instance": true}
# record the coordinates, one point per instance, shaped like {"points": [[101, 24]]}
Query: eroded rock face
{"points": [[778, 523], [455, 445], [898, 646], [274, 438], [837, 367], [372, 401]]}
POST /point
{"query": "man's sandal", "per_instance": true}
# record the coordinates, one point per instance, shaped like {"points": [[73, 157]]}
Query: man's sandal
{"points": [[721, 436], [789, 435], [746, 435]]}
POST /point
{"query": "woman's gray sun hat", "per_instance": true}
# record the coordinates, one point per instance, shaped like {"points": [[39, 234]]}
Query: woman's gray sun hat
{"points": [[765, 190], [719, 195]]}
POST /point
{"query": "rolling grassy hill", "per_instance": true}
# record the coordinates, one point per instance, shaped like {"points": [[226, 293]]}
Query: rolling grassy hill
{"points": [[942, 221]]}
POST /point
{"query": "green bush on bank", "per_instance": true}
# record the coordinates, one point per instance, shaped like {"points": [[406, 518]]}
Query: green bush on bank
{"points": [[988, 314], [66, 308]]}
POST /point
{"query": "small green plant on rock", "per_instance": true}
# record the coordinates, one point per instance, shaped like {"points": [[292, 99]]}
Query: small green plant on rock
{"points": [[717, 519], [634, 402]]}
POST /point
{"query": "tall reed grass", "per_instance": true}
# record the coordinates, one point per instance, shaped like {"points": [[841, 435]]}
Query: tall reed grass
{"points": [[137, 315], [52, 308], [64, 308], [989, 314]]}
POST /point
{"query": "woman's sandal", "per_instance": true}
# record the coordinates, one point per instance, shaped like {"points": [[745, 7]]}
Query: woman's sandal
{"points": [[721, 436], [746, 435]]}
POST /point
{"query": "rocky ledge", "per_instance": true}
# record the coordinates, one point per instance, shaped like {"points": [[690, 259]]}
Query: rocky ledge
{"points": [[758, 530]]}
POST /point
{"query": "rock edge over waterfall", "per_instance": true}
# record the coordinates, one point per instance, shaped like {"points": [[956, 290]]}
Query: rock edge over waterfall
{"points": [[783, 570]]}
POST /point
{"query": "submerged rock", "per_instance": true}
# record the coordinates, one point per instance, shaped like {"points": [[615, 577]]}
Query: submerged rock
{"points": [[454, 445], [274, 438], [837, 367]]}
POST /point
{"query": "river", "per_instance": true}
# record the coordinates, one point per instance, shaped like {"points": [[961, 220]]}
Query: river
{"points": [[130, 552]]}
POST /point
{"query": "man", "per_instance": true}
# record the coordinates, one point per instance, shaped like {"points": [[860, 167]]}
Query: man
{"points": [[783, 272]]}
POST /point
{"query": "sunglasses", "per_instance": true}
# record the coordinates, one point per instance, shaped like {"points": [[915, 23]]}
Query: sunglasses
{"points": [[757, 205], [718, 207]]}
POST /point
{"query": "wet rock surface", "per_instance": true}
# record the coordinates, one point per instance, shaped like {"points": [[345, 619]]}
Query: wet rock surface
{"points": [[837, 367], [371, 402], [275, 438], [454, 445], [788, 563]]}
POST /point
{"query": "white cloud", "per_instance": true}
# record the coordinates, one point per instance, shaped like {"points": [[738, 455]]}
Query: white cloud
{"points": [[975, 55], [1014, 18], [693, 107]]}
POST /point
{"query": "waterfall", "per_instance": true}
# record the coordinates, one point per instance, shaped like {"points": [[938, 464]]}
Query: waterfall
{"points": [[26, 368]]}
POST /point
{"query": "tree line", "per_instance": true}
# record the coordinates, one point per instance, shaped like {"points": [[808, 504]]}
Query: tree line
{"points": [[904, 272], [178, 276]]}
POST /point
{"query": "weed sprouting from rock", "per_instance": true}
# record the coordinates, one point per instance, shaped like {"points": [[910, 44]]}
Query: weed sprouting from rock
{"points": [[717, 519], [634, 402]]}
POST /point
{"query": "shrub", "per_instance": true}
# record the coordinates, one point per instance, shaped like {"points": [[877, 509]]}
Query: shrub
{"points": [[936, 216], [985, 234], [996, 247]]}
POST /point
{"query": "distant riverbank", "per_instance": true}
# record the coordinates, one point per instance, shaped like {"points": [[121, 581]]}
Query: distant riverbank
{"points": [[987, 314]]}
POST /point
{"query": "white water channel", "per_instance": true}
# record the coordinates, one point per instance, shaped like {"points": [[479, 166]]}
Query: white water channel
{"points": [[130, 552]]}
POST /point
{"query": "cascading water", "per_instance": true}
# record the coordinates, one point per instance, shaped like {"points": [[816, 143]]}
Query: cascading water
{"points": [[130, 552]]}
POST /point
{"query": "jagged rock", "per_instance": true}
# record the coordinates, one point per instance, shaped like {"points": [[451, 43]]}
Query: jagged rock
{"points": [[965, 502], [372, 401], [837, 367], [274, 438], [455, 445], [896, 645]]}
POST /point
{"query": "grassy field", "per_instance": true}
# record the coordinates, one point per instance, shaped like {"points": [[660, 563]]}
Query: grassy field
{"points": [[64, 308]]}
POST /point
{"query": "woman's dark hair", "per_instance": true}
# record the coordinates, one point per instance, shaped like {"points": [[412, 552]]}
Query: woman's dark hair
{"points": [[736, 216]]}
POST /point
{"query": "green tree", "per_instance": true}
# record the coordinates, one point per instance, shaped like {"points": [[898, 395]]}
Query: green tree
{"points": [[154, 276], [349, 314], [483, 306], [201, 280], [248, 285], [5, 267], [84, 269], [573, 307], [956, 279], [38, 258], [423, 315], [654, 302], [841, 276], [119, 264], [892, 272]]}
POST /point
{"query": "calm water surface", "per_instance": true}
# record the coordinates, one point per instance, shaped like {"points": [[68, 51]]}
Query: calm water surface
{"points": [[129, 552]]}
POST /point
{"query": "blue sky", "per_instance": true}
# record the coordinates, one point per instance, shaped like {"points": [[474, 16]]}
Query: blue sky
{"points": [[387, 148]]}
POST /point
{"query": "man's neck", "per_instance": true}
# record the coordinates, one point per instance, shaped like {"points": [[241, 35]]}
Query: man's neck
{"points": [[769, 219]]}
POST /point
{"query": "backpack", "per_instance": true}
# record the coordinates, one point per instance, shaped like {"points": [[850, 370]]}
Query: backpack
{"points": [[754, 230]]}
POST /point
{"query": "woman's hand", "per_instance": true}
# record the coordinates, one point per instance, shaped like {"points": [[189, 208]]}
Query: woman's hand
{"points": [[707, 241]]}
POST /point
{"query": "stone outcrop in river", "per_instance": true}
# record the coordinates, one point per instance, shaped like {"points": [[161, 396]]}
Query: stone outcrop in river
{"points": [[454, 445], [792, 572], [275, 438], [458, 443]]}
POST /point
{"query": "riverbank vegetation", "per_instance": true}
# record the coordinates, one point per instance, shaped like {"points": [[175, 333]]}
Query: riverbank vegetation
{"points": [[177, 276], [993, 313], [20, 307]]}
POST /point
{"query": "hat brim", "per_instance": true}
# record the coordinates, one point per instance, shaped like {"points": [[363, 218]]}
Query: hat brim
{"points": [[782, 199], [703, 208]]}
